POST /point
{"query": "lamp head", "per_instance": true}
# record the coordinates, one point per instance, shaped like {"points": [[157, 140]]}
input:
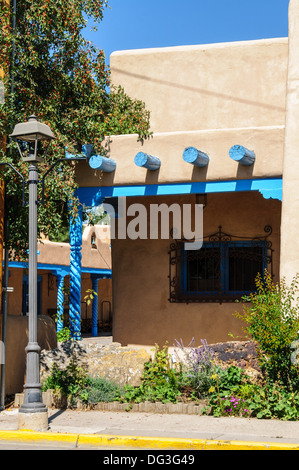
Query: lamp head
{"points": [[31, 132]]}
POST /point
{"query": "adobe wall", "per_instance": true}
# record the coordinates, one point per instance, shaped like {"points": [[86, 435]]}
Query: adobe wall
{"points": [[142, 313], [17, 340], [210, 97], [213, 86], [290, 206]]}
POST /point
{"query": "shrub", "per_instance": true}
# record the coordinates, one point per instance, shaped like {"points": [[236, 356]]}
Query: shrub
{"points": [[99, 389], [69, 381], [272, 320], [274, 402]]}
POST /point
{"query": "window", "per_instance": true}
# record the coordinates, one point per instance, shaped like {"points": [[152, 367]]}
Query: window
{"points": [[222, 270], [25, 295]]}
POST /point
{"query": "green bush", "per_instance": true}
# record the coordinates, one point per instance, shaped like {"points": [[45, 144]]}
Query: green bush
{"points": [[69, 381], [272, 320], [99, 389], [274, 402]]}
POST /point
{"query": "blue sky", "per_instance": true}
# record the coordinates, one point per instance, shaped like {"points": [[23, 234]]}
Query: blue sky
{"points": [[138, 24]]}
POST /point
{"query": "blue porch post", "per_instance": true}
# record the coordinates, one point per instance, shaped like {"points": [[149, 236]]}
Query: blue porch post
{"points": [[75, 274], [60, 275], [60, 282], [94, 326]]}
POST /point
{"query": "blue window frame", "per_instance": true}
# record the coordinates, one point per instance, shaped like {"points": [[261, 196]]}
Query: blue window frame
{"points": [[222, 271]]}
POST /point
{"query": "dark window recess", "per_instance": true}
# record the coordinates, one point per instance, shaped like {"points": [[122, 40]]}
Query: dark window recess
{"points": [[223, 270], [203, 270], [244, 263]]}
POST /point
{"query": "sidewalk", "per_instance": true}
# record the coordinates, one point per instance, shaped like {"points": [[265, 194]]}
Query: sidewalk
{"points": [[155, 431]]}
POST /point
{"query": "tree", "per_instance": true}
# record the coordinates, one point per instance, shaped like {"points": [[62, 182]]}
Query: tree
{"points": [[56, 74]]}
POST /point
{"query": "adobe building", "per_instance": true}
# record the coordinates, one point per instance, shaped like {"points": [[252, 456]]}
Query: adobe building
{"points": [[224, 119]]}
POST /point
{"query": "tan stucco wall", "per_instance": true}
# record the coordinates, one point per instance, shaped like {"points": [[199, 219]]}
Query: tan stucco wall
{"points": [[17, 340], [210, 97], [227, 85], [289, 230], [55, 253], [141, 311]]}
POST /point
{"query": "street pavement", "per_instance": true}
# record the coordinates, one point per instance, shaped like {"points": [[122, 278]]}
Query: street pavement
{"points": [[131, 430]]}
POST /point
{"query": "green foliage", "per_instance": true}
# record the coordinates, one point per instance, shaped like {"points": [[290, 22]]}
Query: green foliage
{"points": [[159, 381], [99, 389], [272, 320], [90, 295], [229, 392], [275, 402], [233, 394], [54, 73], [69, 381], [63, 335]]}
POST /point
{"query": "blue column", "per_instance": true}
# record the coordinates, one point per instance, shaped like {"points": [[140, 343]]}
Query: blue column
{"points": [[75, 274], [60, 275], [60, 282], [94, 323]]}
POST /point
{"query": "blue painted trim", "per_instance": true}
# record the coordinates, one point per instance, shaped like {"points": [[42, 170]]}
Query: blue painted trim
{"points": [[270, 188], [59, 268]]}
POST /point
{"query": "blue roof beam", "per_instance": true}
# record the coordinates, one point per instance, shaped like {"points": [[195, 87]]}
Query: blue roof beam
{"points": [[97, 162], [196, 157], [147, 161], [242, 155]]}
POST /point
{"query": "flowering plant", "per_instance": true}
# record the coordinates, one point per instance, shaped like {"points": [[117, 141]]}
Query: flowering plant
{"points": [[197, 364]]}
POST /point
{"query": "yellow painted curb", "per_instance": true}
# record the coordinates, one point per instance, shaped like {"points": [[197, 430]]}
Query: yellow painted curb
{"points": [[139, 442], [32, 437], [178, 444]]}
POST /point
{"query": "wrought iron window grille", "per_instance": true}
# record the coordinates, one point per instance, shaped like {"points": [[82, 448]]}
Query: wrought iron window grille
{"points": [[223, 270]]}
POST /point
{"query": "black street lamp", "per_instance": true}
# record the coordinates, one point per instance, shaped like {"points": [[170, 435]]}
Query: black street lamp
{"points": [[33, 414]]}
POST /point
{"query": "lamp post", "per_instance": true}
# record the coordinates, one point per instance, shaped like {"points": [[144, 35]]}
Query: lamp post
{"points": [[33, 414]]}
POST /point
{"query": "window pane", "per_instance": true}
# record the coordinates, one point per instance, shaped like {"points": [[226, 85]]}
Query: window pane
{"points": [[203, 270], [244, 265]]}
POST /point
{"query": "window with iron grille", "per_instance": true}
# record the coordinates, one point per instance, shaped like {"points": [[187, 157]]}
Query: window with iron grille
{"points": [[222, 270]]}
